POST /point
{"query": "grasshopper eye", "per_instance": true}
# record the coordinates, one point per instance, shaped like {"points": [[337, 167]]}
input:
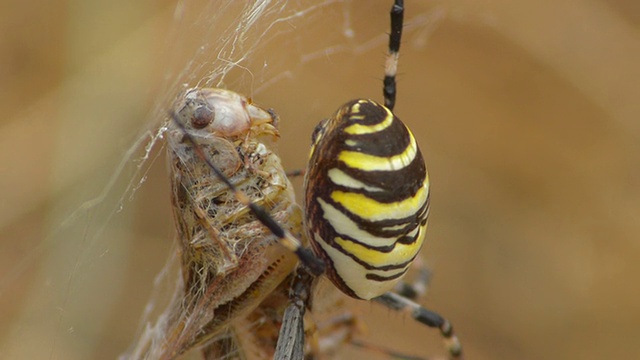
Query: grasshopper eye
{"points": [[202, 117]]}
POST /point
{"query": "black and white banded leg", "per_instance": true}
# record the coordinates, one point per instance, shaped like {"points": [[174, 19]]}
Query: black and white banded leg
{"points": [[426, 317]]}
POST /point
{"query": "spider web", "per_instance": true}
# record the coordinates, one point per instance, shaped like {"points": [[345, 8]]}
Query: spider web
{"points": [[96, 254]]}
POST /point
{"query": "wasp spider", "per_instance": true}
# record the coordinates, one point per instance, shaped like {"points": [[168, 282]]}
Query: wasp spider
{"points": [[366, 197]]}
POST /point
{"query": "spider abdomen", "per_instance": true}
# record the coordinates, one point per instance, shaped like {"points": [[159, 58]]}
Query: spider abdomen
{"points": [[367, 198]]}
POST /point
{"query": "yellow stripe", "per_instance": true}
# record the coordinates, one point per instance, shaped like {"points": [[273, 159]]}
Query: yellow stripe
{"points": [[354, 274], [359, 129], [400, 254], [366, 162], [344, 226], [372, 210]]}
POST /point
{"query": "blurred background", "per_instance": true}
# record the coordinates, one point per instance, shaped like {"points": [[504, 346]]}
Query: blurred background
{"points": [[527, 113]]}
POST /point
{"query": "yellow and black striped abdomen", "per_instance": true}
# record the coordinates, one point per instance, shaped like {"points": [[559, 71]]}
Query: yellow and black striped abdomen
{"points": [[367, 198]]}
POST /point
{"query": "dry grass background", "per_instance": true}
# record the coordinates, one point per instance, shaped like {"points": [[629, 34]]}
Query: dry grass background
{"points": [[527, 112]]}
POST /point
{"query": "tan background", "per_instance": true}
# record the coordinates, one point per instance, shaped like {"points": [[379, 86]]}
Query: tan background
{"points": [[527, 113]]}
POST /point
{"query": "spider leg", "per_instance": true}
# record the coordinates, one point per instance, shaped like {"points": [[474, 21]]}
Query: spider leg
{"points": [[426, 317], [420, 285], [295, 173], [391, 65]]}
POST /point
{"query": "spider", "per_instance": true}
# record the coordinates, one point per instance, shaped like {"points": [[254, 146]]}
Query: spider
{"points": [[365, 226]]}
